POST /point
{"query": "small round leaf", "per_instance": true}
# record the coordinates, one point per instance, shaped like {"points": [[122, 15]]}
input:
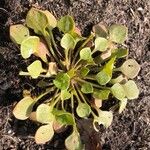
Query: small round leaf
{"points": [[29, 46], [67, 42], [24, 108], [130, 68], [44, 134], [65, 95], [44, 114], [38, 20], [87, 88], [18, 33], [35, 69], [66, 24], [84, 71], [73, 142], [105, 118], [83, 110], [101, 44], [85, 54], [131, 90], [118, 33], [63, 117], [118, 91], [62, 81], [103, 78], [101, 94]]}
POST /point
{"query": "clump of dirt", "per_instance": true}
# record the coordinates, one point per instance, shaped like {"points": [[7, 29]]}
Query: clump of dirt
{"points": [[129, 130]]}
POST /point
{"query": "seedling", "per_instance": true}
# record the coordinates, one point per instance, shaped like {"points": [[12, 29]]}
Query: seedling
{"points": [[79, 71]]}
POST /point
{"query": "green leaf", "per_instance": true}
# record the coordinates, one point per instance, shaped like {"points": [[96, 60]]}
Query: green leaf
{"points": [[44, 114], [122, 105], [44, 134], [121, 52], [101, 94], [131, 90], [83, 110], [24, 108], [104, 76], [71, 73], [35, 69], [118, 91], [62, 81], [84, 71], [73, 142], [63, 117], [130, 68], [76, 36], [65, 95], [118, 33], [18, 33], [29, 46], [67, 42], [109, 66], [86, 54], [66, 24], [87, 88], [101, 44], [38, 20], [104, 117], [100, 30]]}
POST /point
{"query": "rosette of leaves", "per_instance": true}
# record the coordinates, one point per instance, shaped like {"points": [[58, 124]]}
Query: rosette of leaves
{"points": [[77, 72]]}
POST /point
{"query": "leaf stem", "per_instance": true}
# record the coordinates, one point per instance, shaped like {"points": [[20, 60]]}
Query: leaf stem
{"points": [[89, 78], [67, 59], [84, 43], [84, 99], [45, 93], [77, 63], [56, 100], [48, 39], [22, 73], [77, 96], [93, 84]]}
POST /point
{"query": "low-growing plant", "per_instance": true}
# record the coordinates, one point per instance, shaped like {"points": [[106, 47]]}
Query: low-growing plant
{"points": [[78, 73]]}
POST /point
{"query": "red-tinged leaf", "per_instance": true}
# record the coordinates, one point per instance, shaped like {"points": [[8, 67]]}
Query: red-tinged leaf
{"points": [[59, 127], [42, 51], [77, 30]]}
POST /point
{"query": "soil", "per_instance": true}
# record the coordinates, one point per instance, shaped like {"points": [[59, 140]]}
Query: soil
{"points": [[129, 130]]}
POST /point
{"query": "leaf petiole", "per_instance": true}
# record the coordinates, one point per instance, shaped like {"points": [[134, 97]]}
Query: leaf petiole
{"points": [[93, 84], [45, 93], [84, 43]]}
